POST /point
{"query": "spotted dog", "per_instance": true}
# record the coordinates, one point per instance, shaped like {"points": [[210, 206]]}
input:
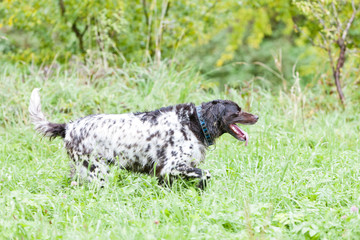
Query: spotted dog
{"points": [[168, 142]]}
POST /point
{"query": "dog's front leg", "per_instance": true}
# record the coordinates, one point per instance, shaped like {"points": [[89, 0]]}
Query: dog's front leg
{"points": [[183, 170]]}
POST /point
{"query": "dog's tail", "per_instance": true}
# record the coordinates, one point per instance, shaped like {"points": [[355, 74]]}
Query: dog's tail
{"points": [[42, 125]]}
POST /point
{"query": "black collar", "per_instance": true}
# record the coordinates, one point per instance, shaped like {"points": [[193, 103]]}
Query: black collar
{"points": [[208, 138]]}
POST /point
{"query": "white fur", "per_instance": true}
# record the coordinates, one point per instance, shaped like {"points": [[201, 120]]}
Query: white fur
{"points": [[36, 115], [162, 144]]}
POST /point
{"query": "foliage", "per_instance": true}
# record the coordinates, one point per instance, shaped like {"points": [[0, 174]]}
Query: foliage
{"points": [[136, 29], [334, 20], [58, 27], [249, 22]]}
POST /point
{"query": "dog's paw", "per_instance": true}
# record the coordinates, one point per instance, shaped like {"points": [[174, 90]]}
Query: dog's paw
{"points": [[202, 184], [204, 179], [205, 175]]}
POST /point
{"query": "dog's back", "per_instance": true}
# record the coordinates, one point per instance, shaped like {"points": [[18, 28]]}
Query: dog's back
{"points": [[128, 140]]}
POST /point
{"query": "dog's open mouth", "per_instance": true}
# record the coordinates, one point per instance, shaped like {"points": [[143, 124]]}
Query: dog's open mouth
{"points": [[239, 133]]}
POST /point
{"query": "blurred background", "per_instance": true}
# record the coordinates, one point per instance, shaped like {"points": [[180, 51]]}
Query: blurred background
{"points": [[232, 44]]}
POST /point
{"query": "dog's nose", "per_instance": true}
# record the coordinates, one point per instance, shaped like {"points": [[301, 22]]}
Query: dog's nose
{"points": [[256, 117]]}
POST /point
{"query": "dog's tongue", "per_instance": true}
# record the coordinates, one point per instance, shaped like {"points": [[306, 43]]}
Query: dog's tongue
{"points": [[240, 133]]}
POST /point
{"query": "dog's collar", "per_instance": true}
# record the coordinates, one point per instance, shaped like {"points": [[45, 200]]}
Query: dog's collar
{"points": [[208, 138]]}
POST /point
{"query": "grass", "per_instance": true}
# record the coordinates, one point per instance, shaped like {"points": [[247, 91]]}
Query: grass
{"points": [[297, 179]]}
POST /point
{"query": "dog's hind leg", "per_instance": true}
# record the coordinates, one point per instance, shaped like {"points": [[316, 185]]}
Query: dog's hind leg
{"points": [[91, 169]]}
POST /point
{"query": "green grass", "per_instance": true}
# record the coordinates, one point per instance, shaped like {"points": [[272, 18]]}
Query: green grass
{"points": [[297, 179]]}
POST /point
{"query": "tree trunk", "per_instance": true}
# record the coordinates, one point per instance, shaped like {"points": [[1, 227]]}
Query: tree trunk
{"points": [[337, 71]]}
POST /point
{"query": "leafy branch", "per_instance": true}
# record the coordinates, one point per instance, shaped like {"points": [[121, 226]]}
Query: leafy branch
{"points": [[339, 38], [74, 27]]}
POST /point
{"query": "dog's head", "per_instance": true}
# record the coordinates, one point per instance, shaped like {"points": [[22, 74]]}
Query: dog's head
{"points": [[222, 116]]}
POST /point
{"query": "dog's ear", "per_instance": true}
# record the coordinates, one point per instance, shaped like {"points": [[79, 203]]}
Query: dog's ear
{"points": [[219, 111], [214, 110]]}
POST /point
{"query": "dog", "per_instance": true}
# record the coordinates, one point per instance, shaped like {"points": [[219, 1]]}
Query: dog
{"points": [[169, 142]]}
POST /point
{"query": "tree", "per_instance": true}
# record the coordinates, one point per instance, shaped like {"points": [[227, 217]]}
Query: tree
{"points": [[63, 27], [333, 23]]}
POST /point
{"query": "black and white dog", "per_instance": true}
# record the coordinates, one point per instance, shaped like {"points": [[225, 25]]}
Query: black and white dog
{"points": [[170, 141]]}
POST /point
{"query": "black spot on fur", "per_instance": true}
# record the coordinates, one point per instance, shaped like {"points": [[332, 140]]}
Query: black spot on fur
{"points": [[103, 123], [160, 153], [184, 133], [110, 161], [71, 134], [156, 134], [171, 141], [86, 164]]}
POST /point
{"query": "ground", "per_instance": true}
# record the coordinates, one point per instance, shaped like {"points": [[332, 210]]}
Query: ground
{"points": [[297, 179]]}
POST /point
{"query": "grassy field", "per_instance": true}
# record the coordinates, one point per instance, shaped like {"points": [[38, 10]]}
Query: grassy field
{"points": [[299, 178]]}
